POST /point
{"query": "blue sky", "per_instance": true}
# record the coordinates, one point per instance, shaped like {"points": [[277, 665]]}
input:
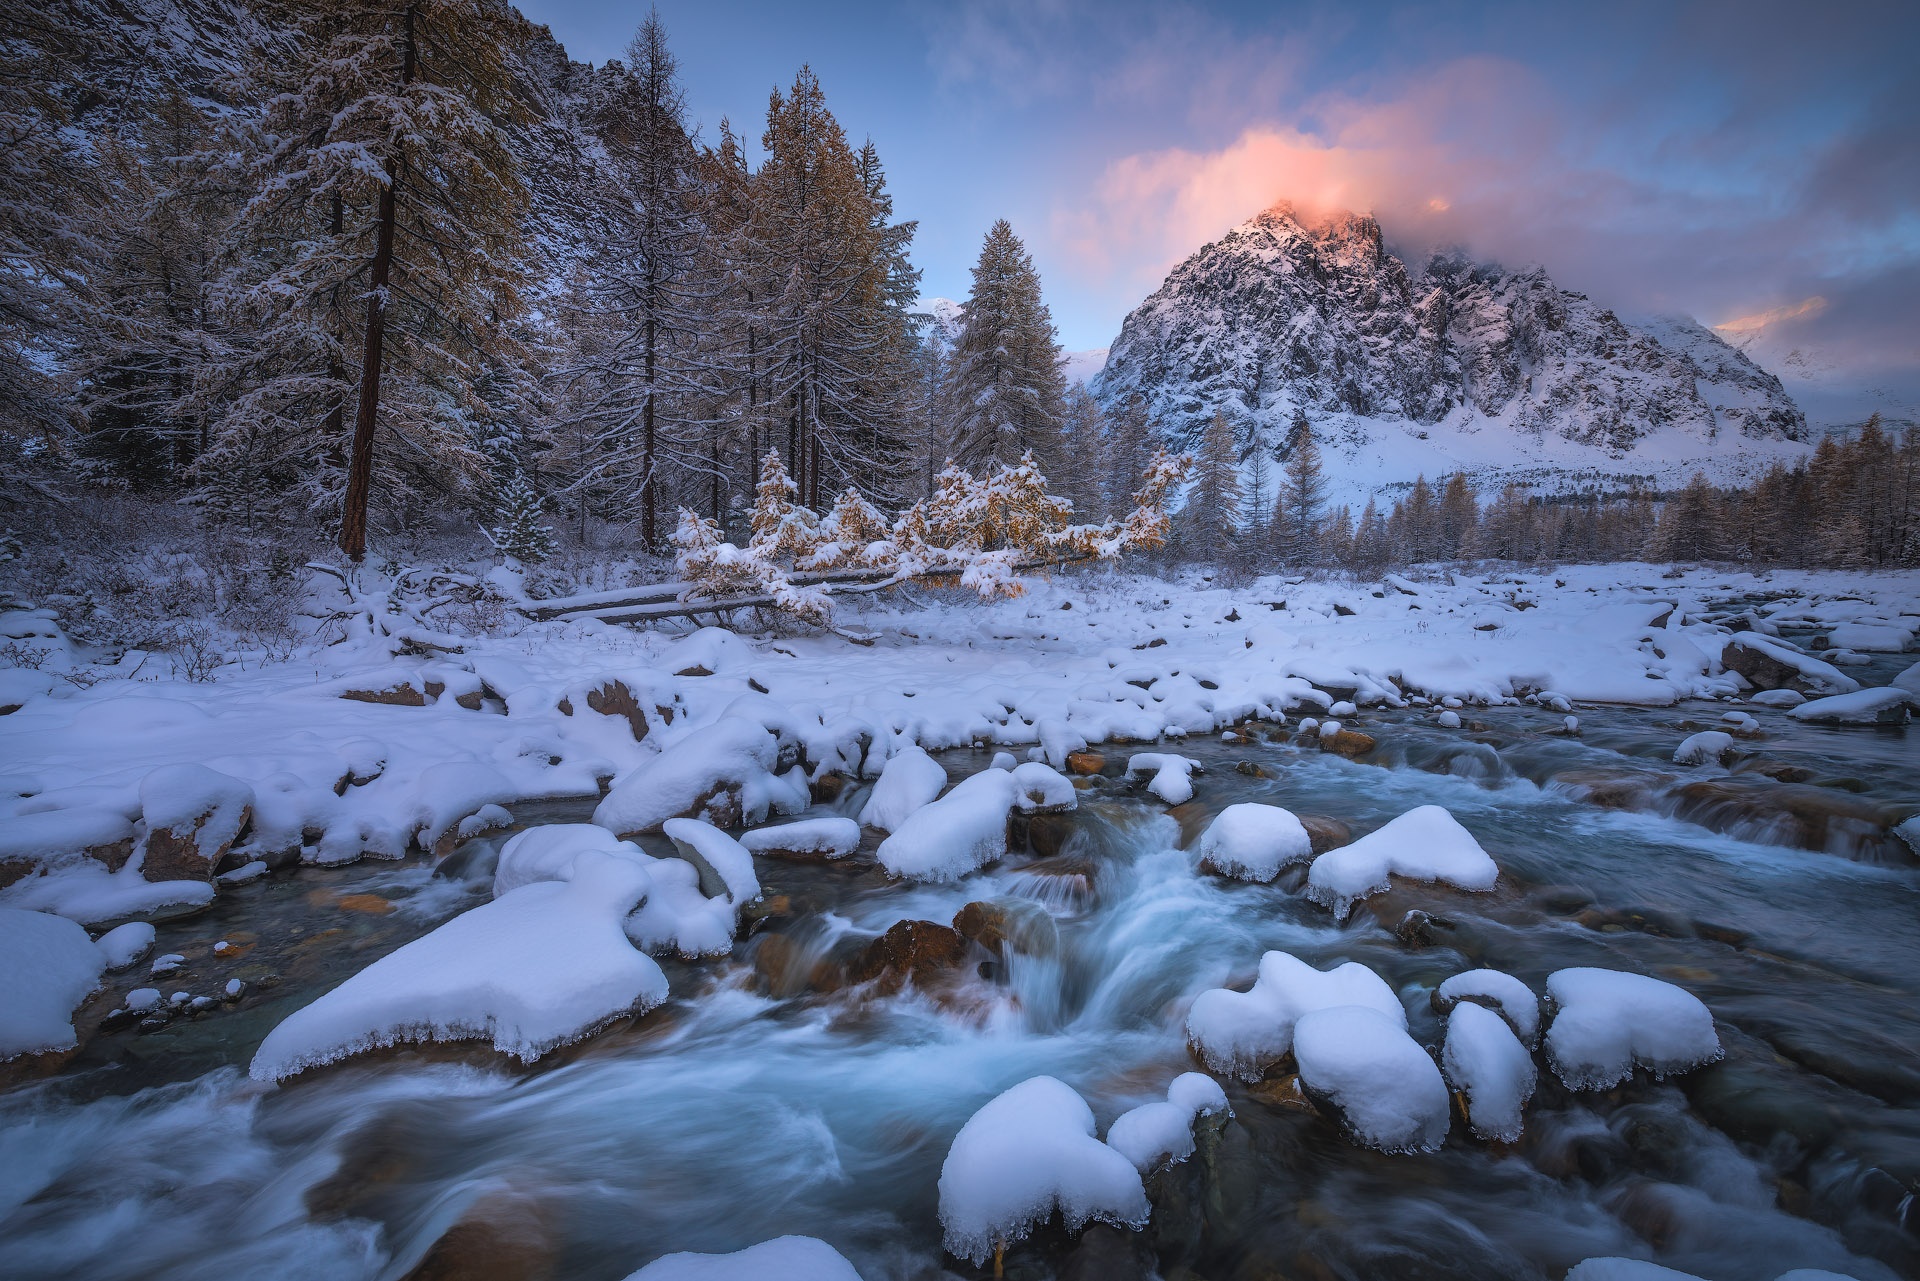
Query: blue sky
{"points": [[1755, 164]]}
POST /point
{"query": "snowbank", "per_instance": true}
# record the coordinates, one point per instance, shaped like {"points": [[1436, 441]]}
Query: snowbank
{"points": [[1486, 1062], [1424, 844], [827, 838], [1363, 1063], [1607, 1022], [1029, 1153], [963, 830], [1241, 1033], [1161, 1133], [783, 1258], [1172, 775], [909, 780], [50, 966], [536, 968], [1253, 842]]}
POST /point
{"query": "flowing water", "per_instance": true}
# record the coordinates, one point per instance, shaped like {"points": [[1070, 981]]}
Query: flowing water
{"points": [[766, 1099]]}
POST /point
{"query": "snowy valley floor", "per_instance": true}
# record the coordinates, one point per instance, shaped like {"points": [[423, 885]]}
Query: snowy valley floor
{"points": [[325, 875]]}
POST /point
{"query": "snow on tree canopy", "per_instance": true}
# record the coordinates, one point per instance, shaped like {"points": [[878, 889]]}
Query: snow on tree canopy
{"points": [[790, 1258], [1241, 1033], [722, 772], [1506, 995], [963, 830], [1388, 1092], [1029, 1153], [1423, 844], [1042, 789], [50, 966], [541, 966], [1253, 842], [1161, 1133], [1172, 774], [909, 780], [1486, 1062], [1607, 1022]]}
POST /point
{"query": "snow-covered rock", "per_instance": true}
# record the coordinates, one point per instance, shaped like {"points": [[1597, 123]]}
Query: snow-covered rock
{"points": [[539, 967], [790, 1258], [1172, 774], [48, 966], [1028, 1153], [1161, 1133], [125, 944], [1710, 745], [827, 838], [545, 853], [1385, 1087], [1908, 680], [1871, 638], [1883, 705], [1778, 698], [1241, 1033], [1423, 844], [1500, 992], [963, 830], [1253, 842], [1041, 789], [1773, 660], [725, 866], [1608, 1022], [909, 780], [722, 773], [193, 814], [1486, 1062]]}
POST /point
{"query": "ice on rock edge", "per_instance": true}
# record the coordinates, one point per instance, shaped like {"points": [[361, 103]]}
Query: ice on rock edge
{"points": [[1385, 1087], [1504, 994], [910, 780], [1172, 774], [1423, 844], [963, 830], [1029, 1152], [1241, 1033], [1161, 1133], [51, 966], [828, 838], [1253, 842], [1486, 1062], [790, 1258], [539, 967], [1607, 1022]]}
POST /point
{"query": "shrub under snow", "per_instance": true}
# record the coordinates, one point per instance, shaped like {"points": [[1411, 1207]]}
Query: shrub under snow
{"points": [[1607, 1022], [1423, 844], [1242, 1032], [1253, 842]]}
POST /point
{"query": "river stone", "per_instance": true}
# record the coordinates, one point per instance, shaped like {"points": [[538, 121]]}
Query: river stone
{"points": [[919, 951], [612, 697], [501, 1237], [1762, 670], [1347, 742], [1085, 762], [400, 694]]}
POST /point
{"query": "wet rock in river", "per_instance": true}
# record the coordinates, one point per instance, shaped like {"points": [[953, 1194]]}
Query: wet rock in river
{"points": [[1798, 815], [501, 1237], [1347, 742], [916, 951], [1325, 833], [1085, 762], [193, 816]]}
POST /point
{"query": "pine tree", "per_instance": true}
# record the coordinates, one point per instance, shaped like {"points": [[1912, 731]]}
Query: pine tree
{"points": [[1303, 496], [1210, 518], [1420, 533], [1130, 446], [1456, 524], [519, 530], [1081, 473], [1007, 387]]}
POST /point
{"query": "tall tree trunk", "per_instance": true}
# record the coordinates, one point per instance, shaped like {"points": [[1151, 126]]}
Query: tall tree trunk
{"points": [[353, 517], [647, 530]]}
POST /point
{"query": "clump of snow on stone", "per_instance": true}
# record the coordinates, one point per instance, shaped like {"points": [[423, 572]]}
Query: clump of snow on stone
{"points": [[790, 1258], [142, 999], [1424, 844], [545, 853], [1778, 698], [1385, 1087], [1042, 789], [725, 866], [1029, 1153], [1241, 1033], [1448, 720], [1172, 774], [1699, 749], [177, 798], [1884, 705], [723, 773], [1607, 1022], [1002, 760], [1618, 1269], [53, 837], [1822, 677], [125, 944], [1253, 842], [830, 838], [1486, 1062], [1506, 995], [963, 830], [50, 966], [909, 780], [1879, 637], [1908, 680], [1161, 1133], [536, 968]]}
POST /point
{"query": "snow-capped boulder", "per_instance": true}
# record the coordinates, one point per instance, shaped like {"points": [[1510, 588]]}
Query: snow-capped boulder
{"points": [[1879, 637], [33, 843], [1908, 680], [1500, 992], [1782, 698], [1253, 842], [1361, 1062], [1423, 844], [1029, 1153], [790, 1258], [725, 866], [1884, 705], [1042, 789], [963, 830], [1708, 746], [1769, 663], [125, 944], [193, 815], [50, 967], [1161, 1133], [539, 967], [722, 773], [1486, 1062], [808, 838], [1608, 1022], [545, 853], [1172, 774], [909, 780], [1241, 1033]]}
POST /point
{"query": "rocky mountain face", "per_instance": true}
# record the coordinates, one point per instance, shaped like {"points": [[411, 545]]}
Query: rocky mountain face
{"points": [[1286, 312]]}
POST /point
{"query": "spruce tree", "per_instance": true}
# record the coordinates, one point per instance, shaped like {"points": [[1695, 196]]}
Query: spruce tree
{"points": [[1007, 386], [1081, 473], [1210, 519], [1130, 447], [1303, 496], [519, 530]]}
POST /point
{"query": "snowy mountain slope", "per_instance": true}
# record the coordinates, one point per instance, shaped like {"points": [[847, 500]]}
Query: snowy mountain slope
{"points": [[1085, 366], [1461, 365]]}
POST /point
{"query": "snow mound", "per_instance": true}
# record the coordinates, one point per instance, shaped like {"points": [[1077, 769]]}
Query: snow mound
{"points": [[1707, 746], [1616, 1269], [1161, 1133], [1871, 638], [181, 798], [1424, 844], [1824, 678], [1027, 1153], [1504, 994], [1908, 680], [125, 944], [1884, 705], [56, 836], [1172, 774], [1253, 842], [785, 1258], [1241, 1033], [539, 967], [50, 966], [1486, 1062], [1607, 1022], [910, 780], [1042, 789], [1363, 1063], [545, 853], [963, 830], [816, 837], [722, 773], [725, 866], [1778, 698]]}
